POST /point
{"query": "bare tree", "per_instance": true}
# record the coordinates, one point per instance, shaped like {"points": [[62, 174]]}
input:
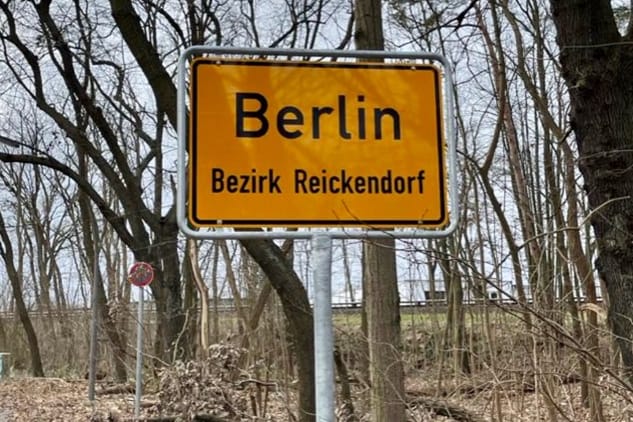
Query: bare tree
{"points": [[6, 252], [380, 281], [594, 60]]}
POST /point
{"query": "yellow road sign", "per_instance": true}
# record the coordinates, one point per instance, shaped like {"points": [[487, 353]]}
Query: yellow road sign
{"points": [[312, 144]]}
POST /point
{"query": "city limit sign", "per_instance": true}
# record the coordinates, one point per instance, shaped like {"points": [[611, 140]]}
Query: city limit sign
{"points": [[316, 144]]}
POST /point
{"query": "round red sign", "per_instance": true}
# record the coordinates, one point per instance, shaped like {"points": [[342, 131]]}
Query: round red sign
{"points": [[141, 274]]}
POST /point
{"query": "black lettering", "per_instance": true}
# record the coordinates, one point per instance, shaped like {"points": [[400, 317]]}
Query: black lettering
{"points": [[295, 119], [385, 183], [252, 122], [232, 183], [421, 180], [410, 181], [324, 181], [398, 184], [254, 181], [273, 182], [343, 183], [245, 180], [334, 181], [259, 181], [379, 113], [300, 180], [360, 184], [258, 113], [245, 183], [374, 184], [361, 118], [217, 180], [313, 184], [346, 183], [317, 112], [342, 129]]}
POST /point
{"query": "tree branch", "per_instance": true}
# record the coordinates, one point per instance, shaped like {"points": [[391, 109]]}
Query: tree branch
{"points": [[147, 57], [117, 221]]}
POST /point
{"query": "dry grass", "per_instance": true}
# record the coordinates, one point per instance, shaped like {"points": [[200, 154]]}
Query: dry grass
{"points": [[516, 375]]}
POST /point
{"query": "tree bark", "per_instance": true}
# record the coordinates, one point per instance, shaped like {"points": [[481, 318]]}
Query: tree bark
{"points": [[386, 371], [596, 63], [380, 282], [6, 252], [203, 291], [455, 321]]}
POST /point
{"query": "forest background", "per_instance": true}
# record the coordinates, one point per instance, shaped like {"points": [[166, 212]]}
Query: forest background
{"points": [[543, 88]]}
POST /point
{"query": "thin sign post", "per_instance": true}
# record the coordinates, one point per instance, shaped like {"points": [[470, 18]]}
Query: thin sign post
{"points": [[295, 143], [141, 274], [323, 331], [92, 364]]}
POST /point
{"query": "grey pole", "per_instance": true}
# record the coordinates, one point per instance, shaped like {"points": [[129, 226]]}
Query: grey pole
{"points": [[139, 356], [92, 365], [323, 333]]}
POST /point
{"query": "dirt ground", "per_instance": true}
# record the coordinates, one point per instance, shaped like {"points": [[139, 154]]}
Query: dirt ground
{"points": [[204, 388], [55, 399], [66, 400]]}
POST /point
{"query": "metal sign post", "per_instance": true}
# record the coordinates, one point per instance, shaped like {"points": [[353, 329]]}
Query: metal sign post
{"points": [[92, 363], [323, 332], [141, 274], [348, 147]]}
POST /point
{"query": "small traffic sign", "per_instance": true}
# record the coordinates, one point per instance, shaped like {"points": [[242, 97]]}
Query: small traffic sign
{"points": [[141, 274]]}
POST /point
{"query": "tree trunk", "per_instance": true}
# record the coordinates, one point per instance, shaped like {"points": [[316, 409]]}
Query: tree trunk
{"points": [[167, 289], [6, 252], [257, 308], [162, 251], [455, 322], [583, 269], [348, 274], [380, 282], [596, 63], [232, 280], [203, 291], [215, 293], [89, 226], [383, 325], [190, 302]]}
